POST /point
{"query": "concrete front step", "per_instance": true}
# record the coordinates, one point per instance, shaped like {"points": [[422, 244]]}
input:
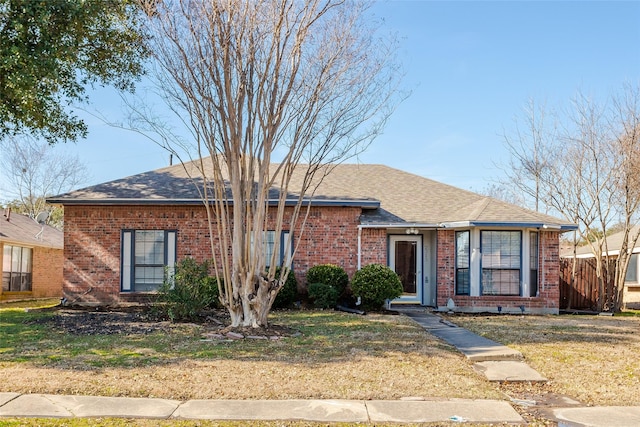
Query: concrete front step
{"points": [[508, 371]]}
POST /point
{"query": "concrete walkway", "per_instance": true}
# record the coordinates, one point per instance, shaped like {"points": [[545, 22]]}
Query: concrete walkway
{"points": [[496, 361]]}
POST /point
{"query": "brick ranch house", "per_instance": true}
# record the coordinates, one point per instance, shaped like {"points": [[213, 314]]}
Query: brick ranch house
{"points": [[31, 258], [452, 248]]}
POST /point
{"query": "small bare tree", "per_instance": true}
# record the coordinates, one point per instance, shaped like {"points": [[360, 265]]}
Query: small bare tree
{"points": [[587, 171], [304, 83], [34, 170]]}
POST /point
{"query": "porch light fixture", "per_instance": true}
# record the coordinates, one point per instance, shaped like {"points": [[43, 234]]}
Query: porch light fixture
{"points": [[411, 230]]}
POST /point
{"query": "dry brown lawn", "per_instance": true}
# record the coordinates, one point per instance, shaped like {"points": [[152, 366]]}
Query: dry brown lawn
{"points": [[338, 356], [593, 359]]}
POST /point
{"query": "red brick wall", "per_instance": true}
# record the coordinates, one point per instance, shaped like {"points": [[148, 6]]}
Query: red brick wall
{"points": [[547, 302], [47, 272], [445, 266], [92, 243], [374, 246]]}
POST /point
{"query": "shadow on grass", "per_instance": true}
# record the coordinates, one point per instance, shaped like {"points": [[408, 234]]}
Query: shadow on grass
{"points": [[39, 337]]}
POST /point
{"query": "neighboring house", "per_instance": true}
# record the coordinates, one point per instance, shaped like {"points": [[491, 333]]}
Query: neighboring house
{"points": [[631, 293], [452, 248], [31, 258]]}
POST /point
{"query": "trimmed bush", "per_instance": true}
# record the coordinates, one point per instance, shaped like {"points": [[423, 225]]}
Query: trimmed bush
{"points": [[323, 295], [190, 292], [329, 274], [289, 293], [375, 284]]}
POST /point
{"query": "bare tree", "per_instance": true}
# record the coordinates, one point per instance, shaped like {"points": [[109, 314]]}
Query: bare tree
{"points": [[304, 83], [587, 170], [34, 170], [528, 149]]}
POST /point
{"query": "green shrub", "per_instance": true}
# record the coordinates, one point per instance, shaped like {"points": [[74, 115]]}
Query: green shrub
{"points": [[374, 284], [191, 291], [323, 295], [289, 293], [329, 274]]}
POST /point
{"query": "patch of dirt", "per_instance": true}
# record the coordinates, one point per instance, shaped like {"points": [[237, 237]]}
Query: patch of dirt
{"points": [[143, 320]]}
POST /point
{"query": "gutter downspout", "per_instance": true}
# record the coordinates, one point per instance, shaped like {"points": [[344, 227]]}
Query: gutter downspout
{"points": [[359, 246]]}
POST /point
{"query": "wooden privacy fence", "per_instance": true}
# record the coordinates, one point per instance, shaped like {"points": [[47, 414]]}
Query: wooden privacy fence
{"points": [[582, 293]]}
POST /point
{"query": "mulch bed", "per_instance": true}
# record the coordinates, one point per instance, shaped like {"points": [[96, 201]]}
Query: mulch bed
{"points": [[142, 320]]}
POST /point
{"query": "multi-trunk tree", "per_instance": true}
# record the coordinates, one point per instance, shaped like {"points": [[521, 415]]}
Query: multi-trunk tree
{"points": [[584, 165], [267, 90]]}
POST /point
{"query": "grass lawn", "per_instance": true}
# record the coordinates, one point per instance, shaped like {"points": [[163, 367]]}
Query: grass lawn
{"points": [[337, 356], [593, 359]]}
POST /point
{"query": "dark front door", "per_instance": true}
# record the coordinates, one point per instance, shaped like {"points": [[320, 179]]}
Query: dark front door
{"points": [[405, 258]]}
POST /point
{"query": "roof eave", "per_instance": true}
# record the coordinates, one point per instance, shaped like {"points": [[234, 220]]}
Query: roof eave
{"points": [[520, 224], [364, 204]]}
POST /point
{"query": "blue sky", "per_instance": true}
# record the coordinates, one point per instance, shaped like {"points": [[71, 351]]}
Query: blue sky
{"points": [[471, 67]]}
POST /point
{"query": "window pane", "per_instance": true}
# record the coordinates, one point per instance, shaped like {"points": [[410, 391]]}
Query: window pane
{"points": [[148, 278], [6, 267], [632, 269], [500, 282], [26, 260], [462, 249], [149, 247], [269, 243], [463, 285], [501, 260], [6, 258], [16, 259]]}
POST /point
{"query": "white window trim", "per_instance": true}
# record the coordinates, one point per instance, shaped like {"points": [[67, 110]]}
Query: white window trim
{"points": [[476, 258]]}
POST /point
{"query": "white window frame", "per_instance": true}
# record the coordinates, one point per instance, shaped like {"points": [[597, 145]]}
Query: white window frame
{"points": [[476, 260]]}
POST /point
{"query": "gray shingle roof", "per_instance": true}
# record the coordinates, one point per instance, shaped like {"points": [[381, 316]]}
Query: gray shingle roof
{"points": [[614, 244], [20, 229], [391, 196]]}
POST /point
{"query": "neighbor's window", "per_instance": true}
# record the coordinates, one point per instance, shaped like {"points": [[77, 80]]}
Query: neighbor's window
{"points": [[533, 264], [145, 256], [16, 268], [501, 260], [632, 270], [463, 282]]}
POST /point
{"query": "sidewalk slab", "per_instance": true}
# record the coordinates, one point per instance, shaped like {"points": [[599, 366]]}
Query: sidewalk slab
{"points": [[429, 411], [117, 407], [508, 370], [34, 405], [599, 416], [54, 406], [349, 411], [7, 397]]}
